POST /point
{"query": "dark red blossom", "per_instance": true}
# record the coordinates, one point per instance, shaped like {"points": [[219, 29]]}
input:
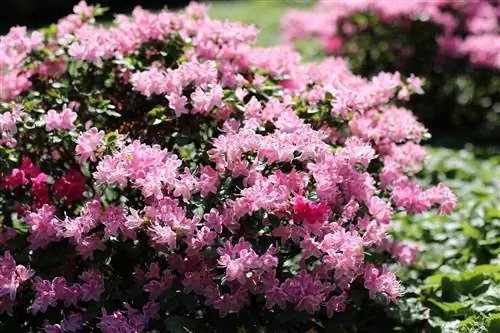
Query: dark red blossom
{"points": [[70, 186], [308, 211]]}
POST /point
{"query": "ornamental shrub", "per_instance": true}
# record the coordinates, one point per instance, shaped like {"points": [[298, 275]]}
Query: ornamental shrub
{"points": [[162, 173], [453, 45]]}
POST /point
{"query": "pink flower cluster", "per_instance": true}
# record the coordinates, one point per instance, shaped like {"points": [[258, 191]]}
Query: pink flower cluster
{"points": [[289, 163], [207, 95], [12, 276], [8, 125], [63, 120], [14, 48], [49, 293], [480, 19]]}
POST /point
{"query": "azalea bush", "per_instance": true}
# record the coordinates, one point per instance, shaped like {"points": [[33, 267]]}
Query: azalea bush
{"points": [[162, 173], [453, 45]]}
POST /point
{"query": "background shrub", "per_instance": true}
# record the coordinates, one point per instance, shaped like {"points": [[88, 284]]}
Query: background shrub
{"points": [[452, 45]]}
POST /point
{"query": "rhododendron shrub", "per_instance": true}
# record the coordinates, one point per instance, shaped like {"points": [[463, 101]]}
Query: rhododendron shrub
{"points": [[453, 45], [164, 173]]}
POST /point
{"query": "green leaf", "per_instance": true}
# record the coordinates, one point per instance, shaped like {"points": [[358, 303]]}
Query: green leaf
{"points": [[112, 113], [471, 231], [493, 323], [449, 308], [111, 138], [20, 226]]}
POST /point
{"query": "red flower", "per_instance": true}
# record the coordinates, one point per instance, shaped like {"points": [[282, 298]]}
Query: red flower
{"points": [[16, 179], [334, 44], [70, 186], [31, 170], [309, 212], [40, 190]]}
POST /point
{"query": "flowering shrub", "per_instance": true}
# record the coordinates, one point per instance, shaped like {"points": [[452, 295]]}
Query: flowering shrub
{"points": [[163, 172], [453, 45]]}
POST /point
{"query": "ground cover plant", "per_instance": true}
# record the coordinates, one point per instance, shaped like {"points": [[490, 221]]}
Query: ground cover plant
{"points": [[452, 45], [162, 173], [454, 285]]}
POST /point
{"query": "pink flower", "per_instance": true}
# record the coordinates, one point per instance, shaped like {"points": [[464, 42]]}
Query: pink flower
{"points": [[356, 151], [114, 220], [406, 254], [43, 226], [178, 104], [442, 196], [29, 168], [63, 120], [203, 102], [163, 235], [160, 285], [93, 286], [8, 123], [336, 304], [12, 276], [134, 220], [83, 9], [45, 296], [56, 328], [228, 303], [40, 190], [116, 322], [16, 179], [415, 83], [213, 220], [381, 281], [87, 144], [380, 210], [276, 296], [209, 181], [86, 246], [73, 322], [334, 44], [411, 197]]}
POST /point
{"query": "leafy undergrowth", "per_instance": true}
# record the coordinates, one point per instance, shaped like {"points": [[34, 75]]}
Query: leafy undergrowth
{"points": [[455, 285]]}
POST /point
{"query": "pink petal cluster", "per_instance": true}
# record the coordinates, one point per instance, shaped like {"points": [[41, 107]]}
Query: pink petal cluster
{"points": [[88, 143], [8, 125], [60, 120], [12, 276], [49, 293], [14, 48]]}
